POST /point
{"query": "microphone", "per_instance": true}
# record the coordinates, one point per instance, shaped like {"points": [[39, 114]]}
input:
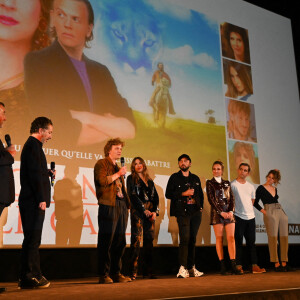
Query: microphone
{"points": [[52, 166], [123, 164], [8, 140]]}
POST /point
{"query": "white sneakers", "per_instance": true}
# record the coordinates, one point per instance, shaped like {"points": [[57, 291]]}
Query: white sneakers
{"points": [[193, 272], [184, 273]]}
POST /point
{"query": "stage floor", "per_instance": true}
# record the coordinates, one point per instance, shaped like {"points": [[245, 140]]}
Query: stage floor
{"points": [[269, 285]]}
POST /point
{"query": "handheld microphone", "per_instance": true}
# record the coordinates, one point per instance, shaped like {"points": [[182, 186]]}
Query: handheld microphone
{"points": [[52, 166], [8, 140], [123, 164]]}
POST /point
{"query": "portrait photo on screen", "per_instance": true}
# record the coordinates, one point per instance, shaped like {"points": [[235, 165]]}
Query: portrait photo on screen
{"points": [[235, 42], [240, 118], [237, 80], [26, 33], [241, 152]]}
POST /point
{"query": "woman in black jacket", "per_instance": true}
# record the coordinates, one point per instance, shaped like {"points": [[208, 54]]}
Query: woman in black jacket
{"points": [[144, 202], [220, 197]]}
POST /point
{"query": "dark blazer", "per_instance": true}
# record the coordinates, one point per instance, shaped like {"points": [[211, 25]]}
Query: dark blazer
{"points": [[53, 88], [106, 189], [176, 186], [138, 195], [7, 184], [34, 174]]}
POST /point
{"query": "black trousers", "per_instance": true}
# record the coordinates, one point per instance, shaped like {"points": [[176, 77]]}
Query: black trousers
{"points": [[141, 227], [245, 228], [112, 221], [188, 228], [32, 221], [2, 206]]}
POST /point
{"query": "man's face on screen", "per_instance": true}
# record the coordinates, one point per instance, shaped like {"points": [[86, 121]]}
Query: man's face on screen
{"points": [[19, 19], [70, 20], [241, 123], [115, 152]]}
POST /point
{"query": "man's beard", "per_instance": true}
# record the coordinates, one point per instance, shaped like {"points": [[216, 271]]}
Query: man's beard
{"points": [[184, 169]]}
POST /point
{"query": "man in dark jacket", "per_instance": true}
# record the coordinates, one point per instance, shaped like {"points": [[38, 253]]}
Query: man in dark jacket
{"points": [[74, 91], [33, 200], [184, 190], [7, 185]]}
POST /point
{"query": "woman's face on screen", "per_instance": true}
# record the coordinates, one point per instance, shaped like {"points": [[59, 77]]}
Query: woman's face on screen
{"points": [[242, 156], [19, 19], [236, 81], [237, 45]]}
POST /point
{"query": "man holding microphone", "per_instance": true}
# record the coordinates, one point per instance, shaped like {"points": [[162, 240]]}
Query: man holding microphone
{"points": [[7, 185]]}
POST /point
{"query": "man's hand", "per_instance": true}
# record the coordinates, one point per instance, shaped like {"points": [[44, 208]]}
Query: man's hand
{"points": [[122, 171], [152, 217], [189, 192], [12, 150], [147, 213], [53, 172], [42, 205]]}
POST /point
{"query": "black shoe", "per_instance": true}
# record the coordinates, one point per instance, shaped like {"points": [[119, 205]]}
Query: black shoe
{"points": [[105, 279], [287, 268], [223, 267], [150, 276], [33, 283], [279, 269], [2, 289], [26, 283], [43, 283], [234, 269]]}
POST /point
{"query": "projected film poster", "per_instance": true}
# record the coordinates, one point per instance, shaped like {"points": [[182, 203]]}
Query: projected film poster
{"points": [[179, 83]]}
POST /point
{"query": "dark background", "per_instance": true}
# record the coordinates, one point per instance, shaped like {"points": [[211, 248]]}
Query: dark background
{"points": [[288, 9]]}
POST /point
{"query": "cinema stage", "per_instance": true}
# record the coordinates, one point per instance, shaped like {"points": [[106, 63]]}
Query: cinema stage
{"points": [[270, 285]]}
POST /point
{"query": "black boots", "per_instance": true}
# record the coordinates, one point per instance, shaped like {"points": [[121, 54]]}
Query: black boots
{"points": [[234, 269], [223, 267]]}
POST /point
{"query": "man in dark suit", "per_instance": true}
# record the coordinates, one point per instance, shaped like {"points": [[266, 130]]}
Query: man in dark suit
{"points": [[7, 185], [33, 200], [78, 93]]}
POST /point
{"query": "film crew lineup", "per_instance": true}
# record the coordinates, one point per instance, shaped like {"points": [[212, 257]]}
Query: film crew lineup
{"points": [[231, 209], [80, 95]]}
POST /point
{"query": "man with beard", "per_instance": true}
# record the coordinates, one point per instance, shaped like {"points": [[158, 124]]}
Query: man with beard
{"points": [[184, 190], [244, 196], [34, 197]]}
